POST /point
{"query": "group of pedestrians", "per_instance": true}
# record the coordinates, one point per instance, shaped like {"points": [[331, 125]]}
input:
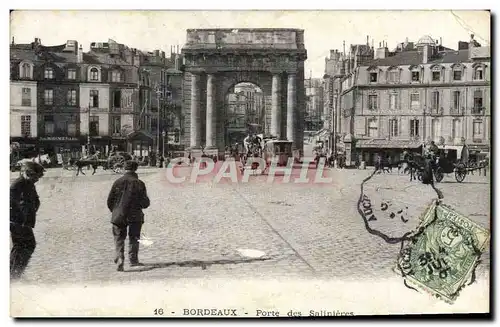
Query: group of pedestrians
{"points": [[126, 201]]}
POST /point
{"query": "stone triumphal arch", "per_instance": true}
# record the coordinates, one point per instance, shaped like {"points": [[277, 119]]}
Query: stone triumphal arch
{"points": [[218, 59]]}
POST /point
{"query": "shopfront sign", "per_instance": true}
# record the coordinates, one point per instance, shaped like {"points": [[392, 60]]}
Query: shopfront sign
{"points": [[58, 138]]}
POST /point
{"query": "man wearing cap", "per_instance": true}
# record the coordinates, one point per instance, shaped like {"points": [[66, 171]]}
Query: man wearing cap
{"points": [[127, 198], [24, 204]]}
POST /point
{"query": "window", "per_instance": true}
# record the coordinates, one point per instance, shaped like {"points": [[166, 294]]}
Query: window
{"points": [[478, 100], [393, 76], [48, 73], [94, 126], [393, 127], [116, 125], [415, 100], [414, 127], [72, 74], [373, 77], [61, 127], [71, 97], [154, 124], [392, 101], [94, 74], [49, 125], [117, 97], [456, 100], [415, 76], [48, 97], [26, 126], [435, 100], [477, 129], [94, 98], [455, 126], [436, 76], [457, 75], [72, 127], [26, 97], [372, 102], [116, 76], [372, 128], [478, 74], [435, 128], [25, 70]]}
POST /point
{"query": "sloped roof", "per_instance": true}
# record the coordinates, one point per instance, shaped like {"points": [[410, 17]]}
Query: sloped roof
{"points": [[42, 54], [407, 58], [103, 58]]}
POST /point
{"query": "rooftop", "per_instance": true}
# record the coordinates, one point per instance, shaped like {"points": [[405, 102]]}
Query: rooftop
{"points": [[407, 58]]}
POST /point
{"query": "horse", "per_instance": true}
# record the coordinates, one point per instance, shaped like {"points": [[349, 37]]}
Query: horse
{"points": [[43, 159]]}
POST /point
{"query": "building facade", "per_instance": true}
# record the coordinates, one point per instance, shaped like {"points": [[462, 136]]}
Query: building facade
{"points": [[315, 114], [416, 94]]}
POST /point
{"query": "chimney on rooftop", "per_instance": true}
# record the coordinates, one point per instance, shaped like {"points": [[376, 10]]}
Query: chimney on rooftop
{"points": [[79, 54]]}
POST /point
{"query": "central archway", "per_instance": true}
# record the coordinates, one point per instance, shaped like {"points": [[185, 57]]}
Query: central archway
{"points": [[244, 112], [221, 64]]}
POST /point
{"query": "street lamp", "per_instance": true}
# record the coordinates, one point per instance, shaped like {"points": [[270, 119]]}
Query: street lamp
{"points": [[163, 145]]}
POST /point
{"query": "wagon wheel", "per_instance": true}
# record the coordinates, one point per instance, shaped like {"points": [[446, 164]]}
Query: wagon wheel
{"points": [[460, 173], [439, 174]]}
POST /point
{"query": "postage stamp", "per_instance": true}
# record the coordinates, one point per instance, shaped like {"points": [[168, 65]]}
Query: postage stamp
{"points": [[443, 256]]}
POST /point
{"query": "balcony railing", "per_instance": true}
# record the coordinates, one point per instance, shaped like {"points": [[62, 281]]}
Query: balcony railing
{"points": [[436, 111], [478, 110]]}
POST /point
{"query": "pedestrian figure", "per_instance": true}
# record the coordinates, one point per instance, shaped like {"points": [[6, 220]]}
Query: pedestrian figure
{"points": [[24, 204], [127, 198]]}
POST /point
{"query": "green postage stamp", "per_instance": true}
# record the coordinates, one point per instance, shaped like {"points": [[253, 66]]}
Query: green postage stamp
{"points": [[442, 256]]}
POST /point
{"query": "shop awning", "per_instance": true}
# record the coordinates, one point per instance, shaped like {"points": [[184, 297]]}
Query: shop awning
{"points": [[388, 144], [140, 135]]}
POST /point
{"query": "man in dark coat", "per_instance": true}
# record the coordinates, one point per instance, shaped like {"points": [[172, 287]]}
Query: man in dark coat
{"points": [[24, 204], [127, 198]]}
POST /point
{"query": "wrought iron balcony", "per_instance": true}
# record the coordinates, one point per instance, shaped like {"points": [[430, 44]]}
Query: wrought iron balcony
{"points": [[436, 111]]}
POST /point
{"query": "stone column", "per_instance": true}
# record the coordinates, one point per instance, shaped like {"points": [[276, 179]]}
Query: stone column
{"points": [[291, 107], [195, 112], [210, 130], [275, 106]]}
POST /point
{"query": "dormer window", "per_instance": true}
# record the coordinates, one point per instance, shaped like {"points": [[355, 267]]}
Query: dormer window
{"points": [[26, 71], [416, 73], [116, 76], [94, 74], [458, 72], [437, 73], [48, 73], [373, 77], [393, 75], [478, 74], [415, 76]]}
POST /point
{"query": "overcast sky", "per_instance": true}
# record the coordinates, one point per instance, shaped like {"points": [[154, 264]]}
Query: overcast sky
{"points": [[324, 30]]}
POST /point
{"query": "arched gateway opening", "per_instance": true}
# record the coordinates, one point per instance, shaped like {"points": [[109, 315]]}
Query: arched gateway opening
{"points": [[238, 80], [244, 112]]}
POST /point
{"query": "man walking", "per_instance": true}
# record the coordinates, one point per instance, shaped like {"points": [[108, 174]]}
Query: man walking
{"points": [[127, 198], [24, 204]]}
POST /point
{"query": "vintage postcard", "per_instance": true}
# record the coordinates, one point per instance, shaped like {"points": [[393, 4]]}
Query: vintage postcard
{"points": [[238, 164]]}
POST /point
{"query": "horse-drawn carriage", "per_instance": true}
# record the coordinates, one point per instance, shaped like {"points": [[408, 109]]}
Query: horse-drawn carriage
{"points": [[114, 162], [449, 160]]}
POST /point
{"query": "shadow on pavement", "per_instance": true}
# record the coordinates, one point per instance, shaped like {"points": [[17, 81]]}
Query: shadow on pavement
{"points": [[195, 263], [464, 182]]}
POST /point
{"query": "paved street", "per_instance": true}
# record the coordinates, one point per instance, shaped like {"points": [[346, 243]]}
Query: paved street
{"points": [[195, 231]]}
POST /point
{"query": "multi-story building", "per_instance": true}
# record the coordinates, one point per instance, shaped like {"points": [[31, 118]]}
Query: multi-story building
{"points": [[110, 106], [418, 93], [165, 78], [45, 80], [337, 67], [23, 95], [315, 115]]}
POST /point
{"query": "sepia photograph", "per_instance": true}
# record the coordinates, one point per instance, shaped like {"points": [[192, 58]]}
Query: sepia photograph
{"points": [[250, 163]]}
